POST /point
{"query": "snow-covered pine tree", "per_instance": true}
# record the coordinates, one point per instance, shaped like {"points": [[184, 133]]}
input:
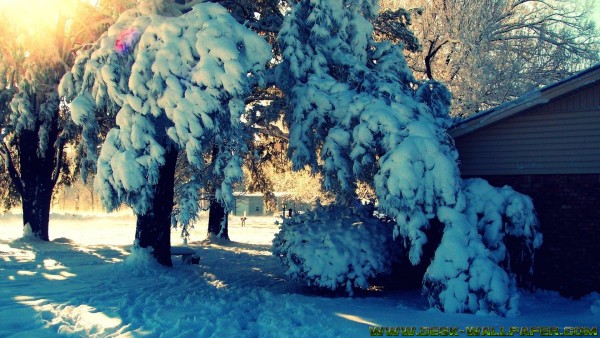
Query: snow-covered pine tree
{"points": [[39, 40], [263, 108], [358, 107], [178, 82]]}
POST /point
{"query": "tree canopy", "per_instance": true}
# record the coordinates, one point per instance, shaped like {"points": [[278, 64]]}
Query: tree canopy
{"points": [[40, 41], [177, 82], [492, 51], [358, 114]]}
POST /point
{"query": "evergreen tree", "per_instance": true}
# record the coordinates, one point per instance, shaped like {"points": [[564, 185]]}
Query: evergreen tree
{"points": [[40, 40], [177, 82], [360, 115]]}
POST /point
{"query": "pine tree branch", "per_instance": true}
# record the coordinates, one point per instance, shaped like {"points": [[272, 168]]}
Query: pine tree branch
{"points": [[265, 26], [269, 78]]}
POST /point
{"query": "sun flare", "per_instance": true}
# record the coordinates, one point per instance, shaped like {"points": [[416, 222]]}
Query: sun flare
{"points": [[41, 35], [36, 17], [35, 21]]}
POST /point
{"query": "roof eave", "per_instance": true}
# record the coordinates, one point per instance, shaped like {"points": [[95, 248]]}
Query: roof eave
{"points": [[528, 101]]}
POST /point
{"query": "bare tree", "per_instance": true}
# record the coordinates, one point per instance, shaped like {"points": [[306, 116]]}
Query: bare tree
{"points": [[492, 51]]}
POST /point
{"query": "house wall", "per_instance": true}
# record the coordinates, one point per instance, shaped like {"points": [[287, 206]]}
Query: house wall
{"points": [[253, 204], [568, 208], [256, 206], [249, 205], [559, 137], [551, 153], [241, 206]]}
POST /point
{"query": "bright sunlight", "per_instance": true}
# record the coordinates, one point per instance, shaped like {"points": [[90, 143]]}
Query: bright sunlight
{"points": [[37, 19], [46, 32]]}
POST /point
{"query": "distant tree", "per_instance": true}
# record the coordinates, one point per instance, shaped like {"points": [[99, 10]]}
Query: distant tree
{"points": [[491, 51], [266, 145], [301, 186], [78, 195], [39, 43], [177, 76]]}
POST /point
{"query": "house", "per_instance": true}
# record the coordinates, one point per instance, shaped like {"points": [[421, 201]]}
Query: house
{"points": [[254, 204], [249, 204], [546, 144]]}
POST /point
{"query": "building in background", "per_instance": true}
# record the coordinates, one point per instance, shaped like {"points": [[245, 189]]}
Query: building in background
{"points": [[253, 204]]}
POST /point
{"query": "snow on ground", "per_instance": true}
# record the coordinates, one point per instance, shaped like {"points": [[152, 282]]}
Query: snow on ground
{"points": [[85, 283]]}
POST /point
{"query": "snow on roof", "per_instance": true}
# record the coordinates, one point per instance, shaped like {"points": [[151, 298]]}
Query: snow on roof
{"points": [[531, 99], [257, 194]]}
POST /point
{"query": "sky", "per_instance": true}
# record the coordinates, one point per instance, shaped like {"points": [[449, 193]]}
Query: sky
{"points": [[596, 14]]}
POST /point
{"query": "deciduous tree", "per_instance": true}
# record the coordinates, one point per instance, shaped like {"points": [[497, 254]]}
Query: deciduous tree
{"points": [[492, 51]]}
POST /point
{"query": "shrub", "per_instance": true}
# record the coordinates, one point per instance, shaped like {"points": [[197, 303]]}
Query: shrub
{"points": [[335, 247], [471, 270]]}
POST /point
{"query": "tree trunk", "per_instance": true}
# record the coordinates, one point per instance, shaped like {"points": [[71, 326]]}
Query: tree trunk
{"points": [[36, 209], [217, 220], [154, 228], [37, 181]]}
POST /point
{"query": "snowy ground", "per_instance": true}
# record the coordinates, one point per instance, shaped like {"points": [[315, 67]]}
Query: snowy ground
{"points": [[84, 283]]}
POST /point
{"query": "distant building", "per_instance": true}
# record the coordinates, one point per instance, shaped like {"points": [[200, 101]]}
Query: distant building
{"points": [[546, 144], [249, 204], [253, 204]]}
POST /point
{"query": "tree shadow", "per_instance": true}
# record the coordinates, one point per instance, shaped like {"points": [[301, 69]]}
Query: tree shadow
{"points": [[253, 265], [244, 265], [46, 288], [63, 287]]}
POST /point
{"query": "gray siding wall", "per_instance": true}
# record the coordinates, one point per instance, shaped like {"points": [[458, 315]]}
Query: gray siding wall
{"points": [[251, 205], [560, 137]]}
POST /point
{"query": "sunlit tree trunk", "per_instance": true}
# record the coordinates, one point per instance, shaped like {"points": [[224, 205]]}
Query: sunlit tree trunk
{"points": [[154, 228]]}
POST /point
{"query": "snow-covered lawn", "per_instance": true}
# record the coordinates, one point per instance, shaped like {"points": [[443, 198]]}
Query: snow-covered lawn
{"points": [[85, 283]]}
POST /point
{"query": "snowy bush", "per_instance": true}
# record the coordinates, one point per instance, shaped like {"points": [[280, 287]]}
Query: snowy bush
{"points": [[470, 271], [335, 247]]}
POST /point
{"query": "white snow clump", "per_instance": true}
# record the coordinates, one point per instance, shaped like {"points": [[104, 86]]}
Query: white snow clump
{"points": [[335, 247]]}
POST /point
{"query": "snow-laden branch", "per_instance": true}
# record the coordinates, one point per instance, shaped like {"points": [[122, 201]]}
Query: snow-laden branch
{"points": [[177, 83]]}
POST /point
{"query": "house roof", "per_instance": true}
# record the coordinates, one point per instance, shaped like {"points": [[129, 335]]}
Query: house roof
{"points": [[531, 99]]}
